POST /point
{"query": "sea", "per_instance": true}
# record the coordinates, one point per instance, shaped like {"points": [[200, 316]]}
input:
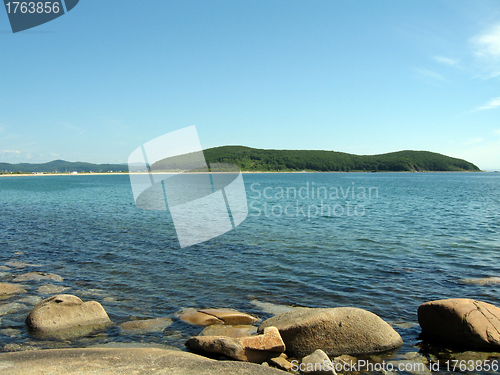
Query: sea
{"points": [[384, 242]]}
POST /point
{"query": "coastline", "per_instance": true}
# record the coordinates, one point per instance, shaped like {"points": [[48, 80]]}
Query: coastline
{"points": [[242, 172]]}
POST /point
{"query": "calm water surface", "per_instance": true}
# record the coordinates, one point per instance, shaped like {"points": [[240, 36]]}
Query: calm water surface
{"points": [[385, 242]]}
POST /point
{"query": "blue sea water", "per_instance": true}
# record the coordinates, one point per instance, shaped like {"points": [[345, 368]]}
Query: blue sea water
{"points": [[385, 242]]}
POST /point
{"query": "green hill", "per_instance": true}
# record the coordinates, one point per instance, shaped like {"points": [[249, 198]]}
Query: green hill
{"points": [[251, 159]]}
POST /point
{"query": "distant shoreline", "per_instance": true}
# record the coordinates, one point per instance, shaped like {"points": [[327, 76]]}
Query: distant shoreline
{"points": [[243, 172]]}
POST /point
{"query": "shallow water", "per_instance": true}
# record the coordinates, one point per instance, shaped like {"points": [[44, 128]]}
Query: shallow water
{"points": [[401, 239]]}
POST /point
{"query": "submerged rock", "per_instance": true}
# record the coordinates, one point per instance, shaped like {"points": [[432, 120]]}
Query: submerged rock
{"points": [[17, 264], [51, 289], [257, 348], [461, 322], [146, 325], [12, 307], [65, 316], [7, 289], [336, 331], [37, 276], [483, 281]]}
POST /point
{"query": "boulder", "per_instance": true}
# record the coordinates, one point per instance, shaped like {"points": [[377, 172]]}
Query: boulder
{"points": [[146, 325], [257, 348], [7, 289], [229, 331], [121, 361], [461, 322], [65, 315], [317, 363], [199, 319], [229, 316], [208, 317], [337, 331]]}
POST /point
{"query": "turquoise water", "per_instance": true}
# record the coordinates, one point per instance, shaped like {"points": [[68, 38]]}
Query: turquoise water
{"points": [[400, 240]]}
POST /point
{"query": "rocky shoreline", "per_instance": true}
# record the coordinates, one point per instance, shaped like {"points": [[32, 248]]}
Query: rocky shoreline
{"points": [[293, 340]]}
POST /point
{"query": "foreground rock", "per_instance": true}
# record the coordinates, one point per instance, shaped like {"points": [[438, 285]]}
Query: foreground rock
{"points": [[337, 331], [461, 322], [65, 316], [216, 316], [257, 349], [122, 361], [7, 289]]}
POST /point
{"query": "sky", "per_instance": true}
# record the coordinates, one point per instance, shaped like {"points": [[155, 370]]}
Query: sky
{"points": [[363, 77]]}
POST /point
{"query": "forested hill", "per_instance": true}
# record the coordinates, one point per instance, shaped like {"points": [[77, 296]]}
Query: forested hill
{"points": [[252, 159]]}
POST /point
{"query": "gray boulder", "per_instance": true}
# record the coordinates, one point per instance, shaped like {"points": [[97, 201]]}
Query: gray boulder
{"points": [[337, 331], [65, 315]]}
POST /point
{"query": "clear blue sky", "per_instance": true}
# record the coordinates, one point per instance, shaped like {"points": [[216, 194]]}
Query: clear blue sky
{"points": [[363, 77]]}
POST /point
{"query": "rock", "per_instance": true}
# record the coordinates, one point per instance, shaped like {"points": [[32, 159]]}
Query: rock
{"points": [[7, 289], [146, 325], [230, 316], [9, 308], [337, 331], [461, 322], [66, 315], [121, 361], [38, 276], [483, 281], [4, 268], [51, 289], [257, 349], [31, 300], [271, 308], [413, 363], [199, 319], [16, 264], [229, 331], [345, 361], [281, 362], [317, 363], [123, 345], [216, 316], [11, 332]]}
